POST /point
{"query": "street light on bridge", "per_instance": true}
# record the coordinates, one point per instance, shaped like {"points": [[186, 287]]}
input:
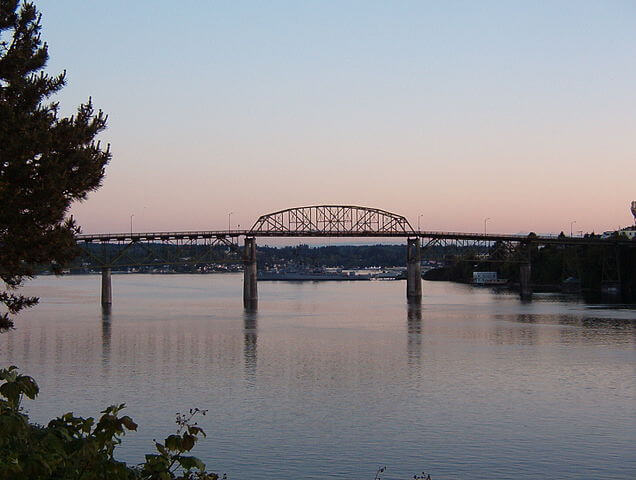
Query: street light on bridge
{"points": [[572, 223], [229, 217], [131, 223], [485, 222], [418, 221]]}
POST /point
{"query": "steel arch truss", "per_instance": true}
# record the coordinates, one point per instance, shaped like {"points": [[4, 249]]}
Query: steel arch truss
{"points": [[332, 220]]}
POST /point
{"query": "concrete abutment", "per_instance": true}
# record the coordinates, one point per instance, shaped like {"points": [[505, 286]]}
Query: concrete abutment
{"points": [[525, 287], [107, 288], [413, 270], [250, 285]]}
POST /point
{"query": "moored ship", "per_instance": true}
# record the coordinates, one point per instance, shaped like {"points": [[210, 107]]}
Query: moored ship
{"points": [[311, 274], [317, 274]]}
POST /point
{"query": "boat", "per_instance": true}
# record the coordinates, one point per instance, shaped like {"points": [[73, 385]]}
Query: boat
{"points": [[390, 274], [310, 274]]}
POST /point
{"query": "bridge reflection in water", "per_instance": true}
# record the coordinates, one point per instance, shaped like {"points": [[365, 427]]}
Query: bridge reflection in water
{"points": [[106, 335], [414, 340], [315, 221], [250, 342], [414, 332]]}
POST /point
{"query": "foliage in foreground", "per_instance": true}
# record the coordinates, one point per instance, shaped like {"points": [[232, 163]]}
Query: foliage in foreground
{"points": [[71, 447], [47, 161]]}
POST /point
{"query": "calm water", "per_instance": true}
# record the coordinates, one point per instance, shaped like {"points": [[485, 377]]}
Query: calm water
{"points": [[331, 380]]}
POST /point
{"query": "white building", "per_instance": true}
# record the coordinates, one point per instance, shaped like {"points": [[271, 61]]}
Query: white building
{"points": [[629, 232], [486, 278]]}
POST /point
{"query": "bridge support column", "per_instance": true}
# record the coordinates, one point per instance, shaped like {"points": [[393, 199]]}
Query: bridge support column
{"points": [[413, 271], [525, 288], [250, 287], [107, 290]]}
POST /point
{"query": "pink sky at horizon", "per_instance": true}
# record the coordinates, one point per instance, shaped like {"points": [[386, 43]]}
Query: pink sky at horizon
{"points": [[521, 113]]}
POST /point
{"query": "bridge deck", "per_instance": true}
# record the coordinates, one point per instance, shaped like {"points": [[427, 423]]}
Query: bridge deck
{"points": [[432, 235]]}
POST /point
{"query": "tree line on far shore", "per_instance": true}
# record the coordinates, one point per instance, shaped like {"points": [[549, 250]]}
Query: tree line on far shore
{"points": [[583, 268]]}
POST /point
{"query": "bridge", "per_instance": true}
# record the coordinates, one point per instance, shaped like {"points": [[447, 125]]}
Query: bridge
{"points": [[318, 221]]}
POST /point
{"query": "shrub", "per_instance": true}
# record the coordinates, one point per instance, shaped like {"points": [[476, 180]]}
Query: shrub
{"points": [[71, 447]]}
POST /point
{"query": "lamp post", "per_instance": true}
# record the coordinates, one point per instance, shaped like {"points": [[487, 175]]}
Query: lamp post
{"points": [[572, 223], [485, 223], [229, 217], [418, 221], [131, 223]]}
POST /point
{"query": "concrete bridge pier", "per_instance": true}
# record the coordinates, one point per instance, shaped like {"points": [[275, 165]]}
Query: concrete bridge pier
{"points": [[107, 289], [525, 288], [413, 270], [250, 287]]}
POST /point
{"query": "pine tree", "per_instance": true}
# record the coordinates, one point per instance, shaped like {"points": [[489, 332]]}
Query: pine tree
{"points": [[46, 161]]}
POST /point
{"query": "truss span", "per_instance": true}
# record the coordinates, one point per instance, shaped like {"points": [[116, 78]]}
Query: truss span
{"points": [[332, 220]]}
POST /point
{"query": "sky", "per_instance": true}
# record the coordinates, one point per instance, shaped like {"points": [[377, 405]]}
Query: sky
{"points": [[450, 112]]}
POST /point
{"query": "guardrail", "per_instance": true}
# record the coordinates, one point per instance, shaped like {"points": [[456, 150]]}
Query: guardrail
{"points": [[466, 236]]}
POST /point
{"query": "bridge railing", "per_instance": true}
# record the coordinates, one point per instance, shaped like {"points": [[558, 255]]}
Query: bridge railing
{"points": [[195, 234], [220, 234]]}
